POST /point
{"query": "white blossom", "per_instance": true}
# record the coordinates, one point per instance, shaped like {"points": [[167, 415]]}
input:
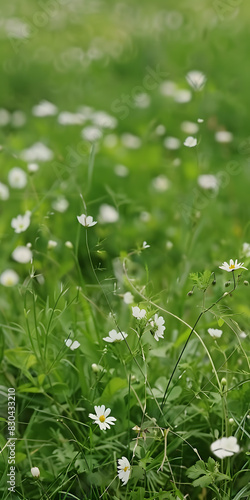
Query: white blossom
{"points": [[138, 313], [123, 470], [107, 214], [215, 333], [44, 108], [21, 222], [35, 472], [4, 192], [115, 336], [225, 447], [196, 80], [22, 254], [17, 178], [102, 417], [190, 142], [232, 266], [157, 324], [86, 221], [72, 344], [9, 278]]}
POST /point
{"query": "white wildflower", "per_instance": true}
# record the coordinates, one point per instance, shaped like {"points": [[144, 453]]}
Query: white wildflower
{"points": [[232, 266], [215, 333], [102, 417], [123, 470], [225, 447], [138, 313], [72, 344], [86, 221], [157, 325], [21, 222], [17, 178], [196, 80], [115, 336], [22, 254], [190, 142], [107, 214]]}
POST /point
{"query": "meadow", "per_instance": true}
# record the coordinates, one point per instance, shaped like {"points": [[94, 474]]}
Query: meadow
{"points": [[125, 249]]}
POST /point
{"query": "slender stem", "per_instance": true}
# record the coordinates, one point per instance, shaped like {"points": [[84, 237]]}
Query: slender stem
{"points": [[186, 343]]}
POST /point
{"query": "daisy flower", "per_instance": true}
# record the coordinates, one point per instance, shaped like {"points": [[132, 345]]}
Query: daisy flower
{"points": [[102, 417], [123, 470], [128, 298], [9, 277], [115, 336], [232, 266], [138, 313], [86, 221], [157, 323], [225, 447]]}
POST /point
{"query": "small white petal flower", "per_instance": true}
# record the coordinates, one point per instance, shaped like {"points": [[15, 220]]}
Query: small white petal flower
{"points": [[123, 470], [86, 221], [9, 278], [101, 418], [131, 141], [145, 245], [104, 120], [232, 266], [182, 96], [208, 181], [121, 170], [172, 143], [69, 244], [223, 136], [138, 313], [161, 183], [115, 336], [157, 324], [142, 100], [91, 133], [60, 205], [4, 192], [128, 298], [189, 127], [44, 108], [168, 88], [225, 447], [35, 472], [37, 152], [196, 80], [22, 254], [215, 333], [32, 167], [190, 142], [21, 222], [72, 345], [52, 244], [17, 178], [107, 214], [245, 248], [200, 120]]}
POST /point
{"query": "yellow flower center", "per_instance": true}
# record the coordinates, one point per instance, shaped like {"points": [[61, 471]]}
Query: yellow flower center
{"points": [[102, 418], [232, 266], [125, 469]]}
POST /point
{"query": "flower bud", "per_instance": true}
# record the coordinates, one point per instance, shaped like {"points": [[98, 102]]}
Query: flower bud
{"points": [[190, 293], [228, 283], [246, 283], [35, 472], [223, 382], [231, 421], [214, 282]]}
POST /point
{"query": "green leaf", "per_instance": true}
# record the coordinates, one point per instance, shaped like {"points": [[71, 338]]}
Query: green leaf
{"points": [[220, 322], [20, 358], [196, 470], [202, 280], [203, 481], [113, 386]]}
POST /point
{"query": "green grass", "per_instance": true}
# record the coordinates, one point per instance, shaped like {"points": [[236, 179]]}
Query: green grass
{"points": [[185, 391]]}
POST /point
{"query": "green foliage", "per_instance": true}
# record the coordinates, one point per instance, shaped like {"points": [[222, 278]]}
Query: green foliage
{"points": [[202, 280], [205, 474]]}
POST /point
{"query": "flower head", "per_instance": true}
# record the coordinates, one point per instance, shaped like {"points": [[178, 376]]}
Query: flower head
{"points": [[17, 178], [101, 418], [9, 278], [196, 79], [115, 336], [22, 254], [128, 298], [123, 470], [138, 313], [232, 266], [145, 245], [190, 142], [21, 222], [4, 192], [72, 345], [225, 447], [215, 333], [107, 214], [86, 221], [35, 472], [157, 324]]}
